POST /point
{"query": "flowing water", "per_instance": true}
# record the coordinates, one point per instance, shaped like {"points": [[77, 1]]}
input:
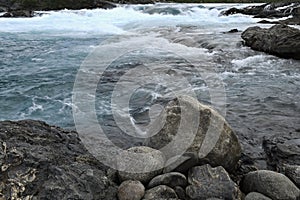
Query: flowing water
{"points": [[41, 56]]}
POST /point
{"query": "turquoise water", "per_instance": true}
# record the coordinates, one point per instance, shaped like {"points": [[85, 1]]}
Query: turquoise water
{"points": [[41, 56]]}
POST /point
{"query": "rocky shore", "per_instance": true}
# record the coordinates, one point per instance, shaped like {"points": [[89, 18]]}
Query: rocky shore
{"points": [[39, 161], [280, 40], [20, 8]]}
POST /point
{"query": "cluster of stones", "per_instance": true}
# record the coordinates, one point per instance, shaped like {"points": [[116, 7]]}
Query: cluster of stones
{"points": [[38, 161], [211, 177]]}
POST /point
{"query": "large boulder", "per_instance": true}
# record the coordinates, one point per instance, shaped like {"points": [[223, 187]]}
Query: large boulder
{"points": [[202, 130], [279, 40], [207, 182], [271, 184], [150, 166], [39, 161]]}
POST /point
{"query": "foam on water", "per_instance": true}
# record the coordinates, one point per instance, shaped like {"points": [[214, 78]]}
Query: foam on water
{"points": [[121, 19], [41, 56]]}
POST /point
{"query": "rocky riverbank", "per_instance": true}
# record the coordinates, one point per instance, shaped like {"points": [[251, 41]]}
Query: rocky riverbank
{"points": [[20, 8], [280, 40], [39, 161]]}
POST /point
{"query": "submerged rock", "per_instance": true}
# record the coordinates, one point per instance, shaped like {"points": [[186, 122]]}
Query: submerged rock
{"points": [[46, 162], [271, 184], [131, 190], [214, 141], [207, 182], [279, 40]]}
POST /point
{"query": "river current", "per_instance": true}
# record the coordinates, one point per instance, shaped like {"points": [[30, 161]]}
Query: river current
{"points": [[41, 56]]}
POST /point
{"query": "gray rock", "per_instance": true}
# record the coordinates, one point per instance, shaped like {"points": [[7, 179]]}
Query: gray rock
{"points": [[268, 10], [207, 182], [153, 165], [180, 193], [181, 163], [18, 13], [279, 40], [160, 192], [171, 179], [292, 172], [256, 196], [39, 161], [214, 142], [274, 185], [131, 190], [20, 5], [282, 149]]}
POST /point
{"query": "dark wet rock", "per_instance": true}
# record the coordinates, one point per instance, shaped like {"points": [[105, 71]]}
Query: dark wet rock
{"points": [[21, 8], [39, 161], [282, 149], [207, 182], [214, 142], [3, 9], [135, 1], [160, 192], [292, 172], [171, 179], [271, 10], [152, 163], [268, 22], [180, 193], [181, 163], [279, 40], [233, 31], [256, 196], [131, 190], [268, 10], [251, 10], [271, 184], [245, 165], [18, 13]]}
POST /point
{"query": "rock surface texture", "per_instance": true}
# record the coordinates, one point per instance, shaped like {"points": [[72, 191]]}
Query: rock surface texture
{"points": [[207, 182], [171, 179], [271, 184], [279, 40], [45, 162], [151, 165], [271, 10], [161, 192], [209, 126], [256, 196], [131, 190], [282, 150]]}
